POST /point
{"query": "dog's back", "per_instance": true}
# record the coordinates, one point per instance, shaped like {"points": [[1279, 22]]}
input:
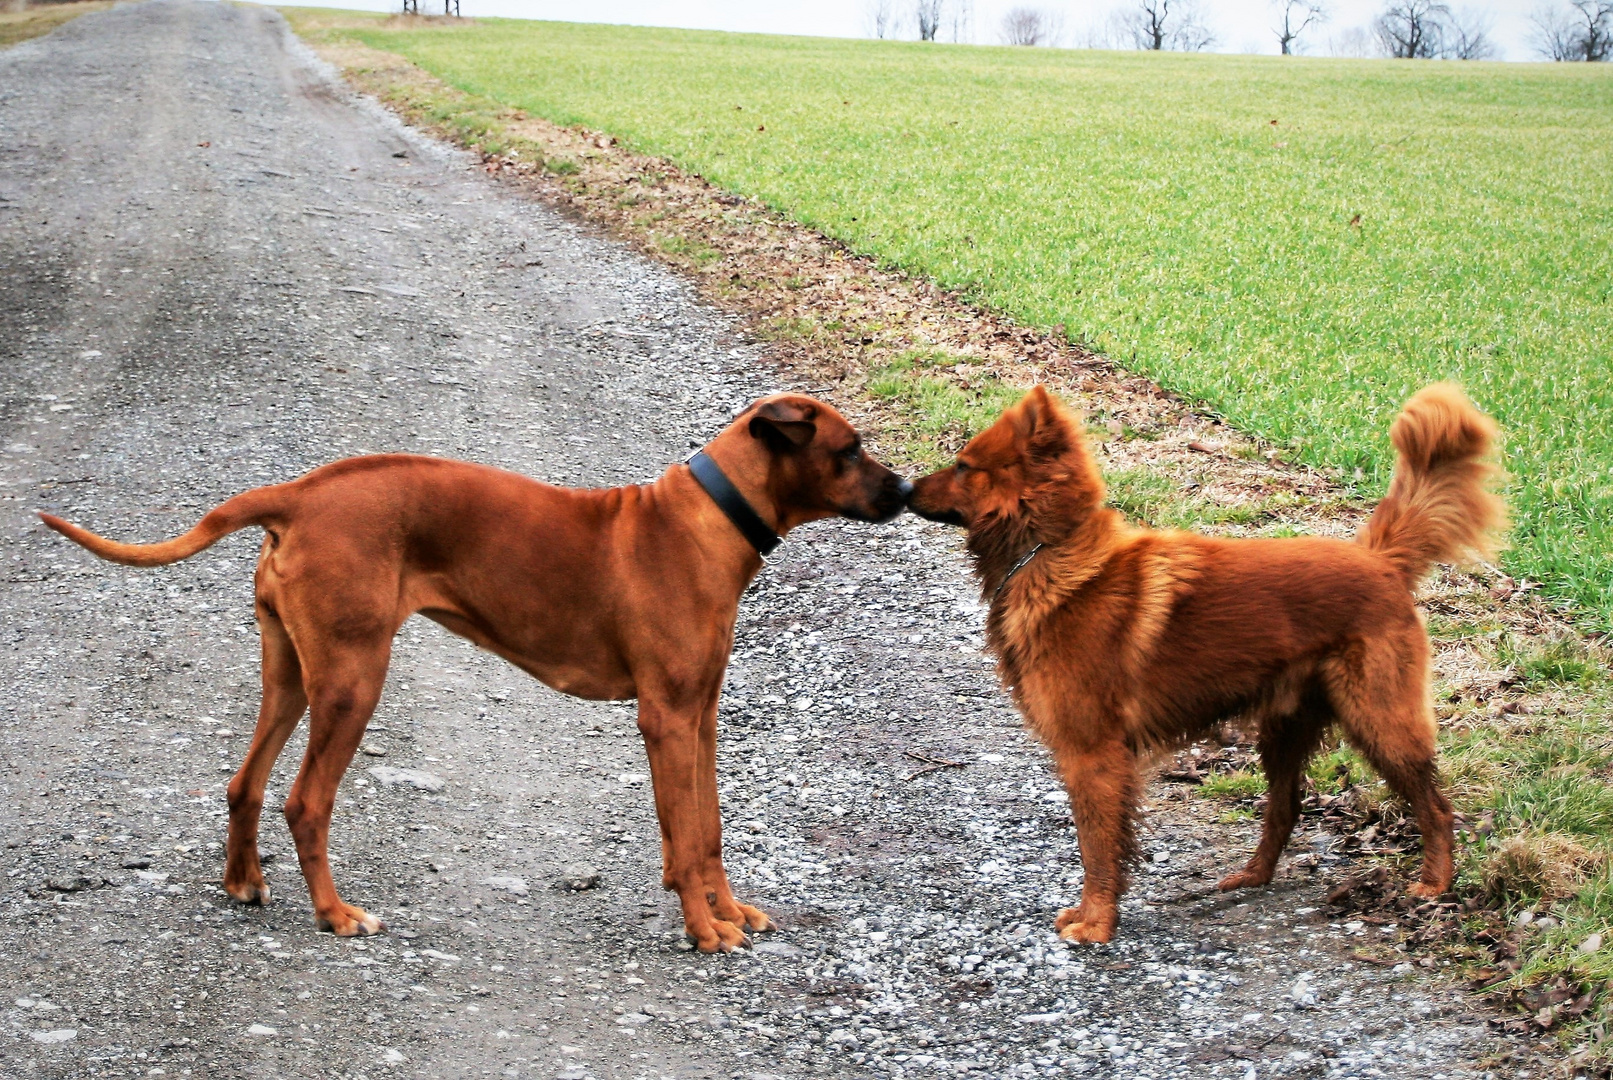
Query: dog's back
{"points": [[1246, 632]]}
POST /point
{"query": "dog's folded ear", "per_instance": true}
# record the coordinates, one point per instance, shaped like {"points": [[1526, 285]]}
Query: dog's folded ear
{"points": [[784, 424], [1042, 424]]}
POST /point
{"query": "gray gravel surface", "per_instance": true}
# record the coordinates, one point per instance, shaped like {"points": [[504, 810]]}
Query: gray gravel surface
{"points": [[181, 321]]}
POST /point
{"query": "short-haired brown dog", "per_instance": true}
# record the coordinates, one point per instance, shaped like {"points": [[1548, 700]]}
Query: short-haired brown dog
{"points": [[605, 594], [1115, 641]]}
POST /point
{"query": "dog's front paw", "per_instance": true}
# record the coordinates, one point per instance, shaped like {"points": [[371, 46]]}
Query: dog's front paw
{"points": [[1092, 924], [1424, 892], [716, 935], [1087, 933], [1069, 915], [248, 891], [345, 920], [1244, 879], [743, 915]]}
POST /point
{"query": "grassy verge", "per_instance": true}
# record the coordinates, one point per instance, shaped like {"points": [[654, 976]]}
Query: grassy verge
{"points": [[32, 22], [1527, 746], [1297, 243], [1525, 704]]}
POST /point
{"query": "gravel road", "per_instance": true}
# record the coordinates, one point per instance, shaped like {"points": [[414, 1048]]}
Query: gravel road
{"points": [[217, 270]]}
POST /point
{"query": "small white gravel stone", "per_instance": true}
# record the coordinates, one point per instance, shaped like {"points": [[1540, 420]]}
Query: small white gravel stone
{"points": [[777, 948], [514, 885], [578, 877], [60, 1035], [415, 778]]}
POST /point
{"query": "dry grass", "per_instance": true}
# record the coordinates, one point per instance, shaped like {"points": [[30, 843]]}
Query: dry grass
{"points": [[1539, 866], [20, 22]]}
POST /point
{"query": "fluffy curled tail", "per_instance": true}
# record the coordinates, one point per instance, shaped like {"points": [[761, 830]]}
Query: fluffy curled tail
{"points": [[255, 507], [1440, 507]]}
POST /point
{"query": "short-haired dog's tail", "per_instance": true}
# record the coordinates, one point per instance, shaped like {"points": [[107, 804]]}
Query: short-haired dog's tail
{"points": [[1440, 506], [259, 506]]}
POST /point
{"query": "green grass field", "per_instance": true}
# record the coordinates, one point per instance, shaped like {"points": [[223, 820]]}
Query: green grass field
{"points": [[1297, 243]]}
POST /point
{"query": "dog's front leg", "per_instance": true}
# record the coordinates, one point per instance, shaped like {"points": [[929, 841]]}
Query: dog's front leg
{"points": [[1102, 782], [723, 903], [672, 742]]}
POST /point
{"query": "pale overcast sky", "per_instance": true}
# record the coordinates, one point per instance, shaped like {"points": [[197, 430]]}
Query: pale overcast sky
{"points": [[1240, 25]]}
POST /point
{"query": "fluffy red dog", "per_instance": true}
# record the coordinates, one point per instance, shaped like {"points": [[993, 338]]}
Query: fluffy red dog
{"points": [[1116, 641]]}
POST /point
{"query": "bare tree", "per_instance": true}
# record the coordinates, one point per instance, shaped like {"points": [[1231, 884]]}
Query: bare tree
{"points": [[1112, 30], [1466, 36], [1412, 29], [961, 20], [1552, 34], [1167, 24], [1030, 26], [1584, 31], [1594, 38], [1294, 17], [1355, 41], [1191, 34], [929, 18], [1596, 29], [1429, 29], [1150, 24], [883, 21]]}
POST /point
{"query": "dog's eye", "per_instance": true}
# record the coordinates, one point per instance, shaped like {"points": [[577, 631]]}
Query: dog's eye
{"points": [[961, 466]]}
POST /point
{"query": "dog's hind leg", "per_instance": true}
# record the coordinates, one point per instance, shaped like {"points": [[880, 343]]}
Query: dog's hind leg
{"points": [[1405, 757], [1286, 744], [1103, 786], [343, 680], [282, 706], [1380, 694]]}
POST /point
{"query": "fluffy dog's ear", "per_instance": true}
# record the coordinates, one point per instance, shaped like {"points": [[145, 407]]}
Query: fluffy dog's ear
{"points": [[784, 424], [1041, 424]]}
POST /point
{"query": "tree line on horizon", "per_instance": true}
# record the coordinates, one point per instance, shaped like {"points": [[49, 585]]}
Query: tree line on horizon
{"points": [[1563, 30]]}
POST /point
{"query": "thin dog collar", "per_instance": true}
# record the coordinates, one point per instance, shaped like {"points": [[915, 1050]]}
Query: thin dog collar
{"points": [[728, 499], [1016, 568]]}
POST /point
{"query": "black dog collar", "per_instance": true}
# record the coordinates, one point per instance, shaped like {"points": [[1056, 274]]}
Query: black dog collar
{"points": [[732, 503]]}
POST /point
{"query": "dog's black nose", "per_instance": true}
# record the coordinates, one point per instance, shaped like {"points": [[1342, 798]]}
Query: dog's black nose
{"points": [[904, 488]]}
